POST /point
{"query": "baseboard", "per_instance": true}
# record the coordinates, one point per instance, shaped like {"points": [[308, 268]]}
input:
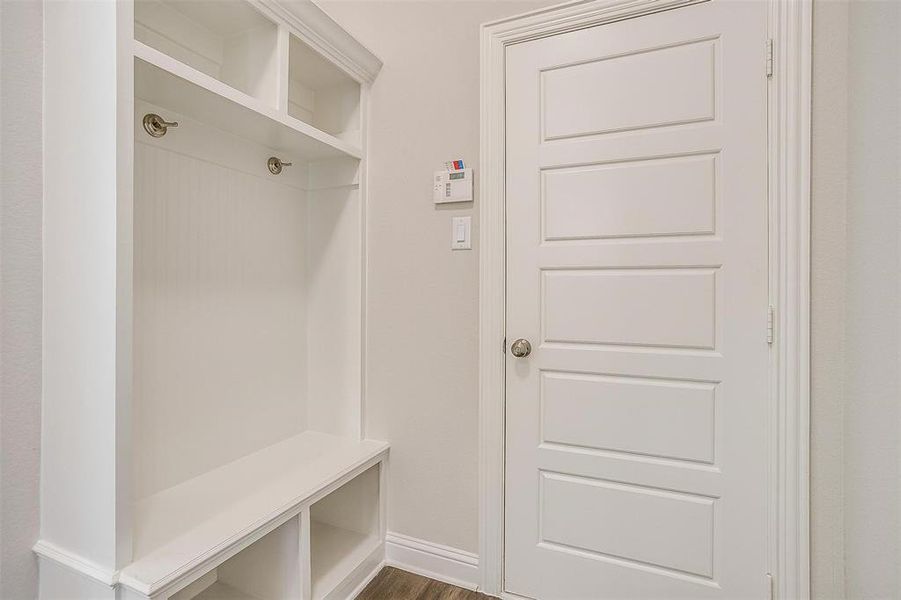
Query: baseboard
{"points": [[450, 565]]}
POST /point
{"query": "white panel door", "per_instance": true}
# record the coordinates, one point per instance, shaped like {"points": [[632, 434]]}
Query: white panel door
{"points": [[636, 436]]}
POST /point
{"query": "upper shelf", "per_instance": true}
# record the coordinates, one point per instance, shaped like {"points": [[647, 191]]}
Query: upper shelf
{"points": [[165, 81], [321, 94], [228, 40], [215, 514]]}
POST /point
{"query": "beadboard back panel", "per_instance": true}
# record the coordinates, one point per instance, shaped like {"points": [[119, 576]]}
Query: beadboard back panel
{"points": [[219, 314], [334, 303]]}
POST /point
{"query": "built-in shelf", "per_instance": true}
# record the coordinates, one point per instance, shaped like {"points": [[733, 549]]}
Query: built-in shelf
{"points": [[242, 287], [223, 591], [217, 514], [229, 40], [322, 94], [336, 553], [165, 81], [344, 531]]}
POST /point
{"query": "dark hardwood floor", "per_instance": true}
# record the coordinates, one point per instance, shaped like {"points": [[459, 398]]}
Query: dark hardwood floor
{"points": [[394, 584]]}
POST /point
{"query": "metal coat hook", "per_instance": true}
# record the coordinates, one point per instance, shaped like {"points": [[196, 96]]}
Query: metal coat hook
{"points": [[275, 165], [156, 126]]}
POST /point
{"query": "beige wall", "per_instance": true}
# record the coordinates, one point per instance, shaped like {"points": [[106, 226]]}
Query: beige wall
{"points": [[872, 404], [21, 39], [828, 264], [423, 298], [856, 407]]}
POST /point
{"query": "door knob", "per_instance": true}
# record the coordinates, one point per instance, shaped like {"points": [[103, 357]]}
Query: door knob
{"points": [[521, 348]]}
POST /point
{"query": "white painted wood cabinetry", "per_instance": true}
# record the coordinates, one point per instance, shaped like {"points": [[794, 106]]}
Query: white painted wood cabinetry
{"points": [[203, 350]]}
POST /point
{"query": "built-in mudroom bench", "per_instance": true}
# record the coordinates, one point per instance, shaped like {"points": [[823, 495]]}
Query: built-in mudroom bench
{"points": [[204, 284]]}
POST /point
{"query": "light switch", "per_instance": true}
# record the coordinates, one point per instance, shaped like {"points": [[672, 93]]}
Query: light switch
{"points": [[460, 233]]}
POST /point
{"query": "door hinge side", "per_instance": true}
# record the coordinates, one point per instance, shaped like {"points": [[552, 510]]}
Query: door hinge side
{"points": [[770, 586], [769, 58], [770, 324]]}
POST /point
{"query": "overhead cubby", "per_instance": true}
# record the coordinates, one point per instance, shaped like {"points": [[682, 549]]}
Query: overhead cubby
{"points": [[321, 94], [227, 40]]}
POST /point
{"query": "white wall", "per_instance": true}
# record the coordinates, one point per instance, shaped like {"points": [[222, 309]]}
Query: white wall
{"points": [[21, 39], [423, 298], [856, 411]]}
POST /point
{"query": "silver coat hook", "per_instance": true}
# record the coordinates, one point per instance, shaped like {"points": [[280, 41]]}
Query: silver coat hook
{"points": [[275, 165], [156, 126]]}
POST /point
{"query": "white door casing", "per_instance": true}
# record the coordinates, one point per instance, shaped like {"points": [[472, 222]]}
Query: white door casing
{"points": [[639, 306]]}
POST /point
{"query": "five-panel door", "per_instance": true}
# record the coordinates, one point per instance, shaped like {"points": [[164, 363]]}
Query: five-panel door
{"points": [[636, 429]]}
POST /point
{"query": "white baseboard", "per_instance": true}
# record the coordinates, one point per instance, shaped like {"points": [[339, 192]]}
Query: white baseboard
{"points": [[450, 565]]}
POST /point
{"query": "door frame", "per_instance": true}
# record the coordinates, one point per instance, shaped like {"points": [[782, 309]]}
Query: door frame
{"points": [[789, 96]]}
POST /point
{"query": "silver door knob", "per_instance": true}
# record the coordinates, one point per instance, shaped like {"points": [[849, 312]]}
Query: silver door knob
{"points": [[521, 348]]}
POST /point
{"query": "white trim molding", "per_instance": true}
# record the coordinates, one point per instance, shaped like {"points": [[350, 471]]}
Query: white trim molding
{"points": [[789, 189], [47, 551], [450, 565], [316, 28], [790, 26]]}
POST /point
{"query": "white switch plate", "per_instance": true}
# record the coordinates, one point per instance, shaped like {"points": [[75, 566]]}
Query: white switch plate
{"points": [[461, 228]]}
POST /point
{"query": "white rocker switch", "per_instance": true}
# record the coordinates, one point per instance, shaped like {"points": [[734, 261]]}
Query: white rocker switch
{"points": [[460, 233]]}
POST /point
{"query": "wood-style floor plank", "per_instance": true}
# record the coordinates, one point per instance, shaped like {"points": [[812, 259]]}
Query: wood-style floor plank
{"points": [[394, 584]]}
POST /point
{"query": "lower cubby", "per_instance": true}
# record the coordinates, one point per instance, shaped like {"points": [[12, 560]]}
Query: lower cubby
{"points": [[268, 569], [344, 531]]}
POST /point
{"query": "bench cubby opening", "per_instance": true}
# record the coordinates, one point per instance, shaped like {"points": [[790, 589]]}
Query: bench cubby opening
{"points": [[268, 569], [344, 530]]}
